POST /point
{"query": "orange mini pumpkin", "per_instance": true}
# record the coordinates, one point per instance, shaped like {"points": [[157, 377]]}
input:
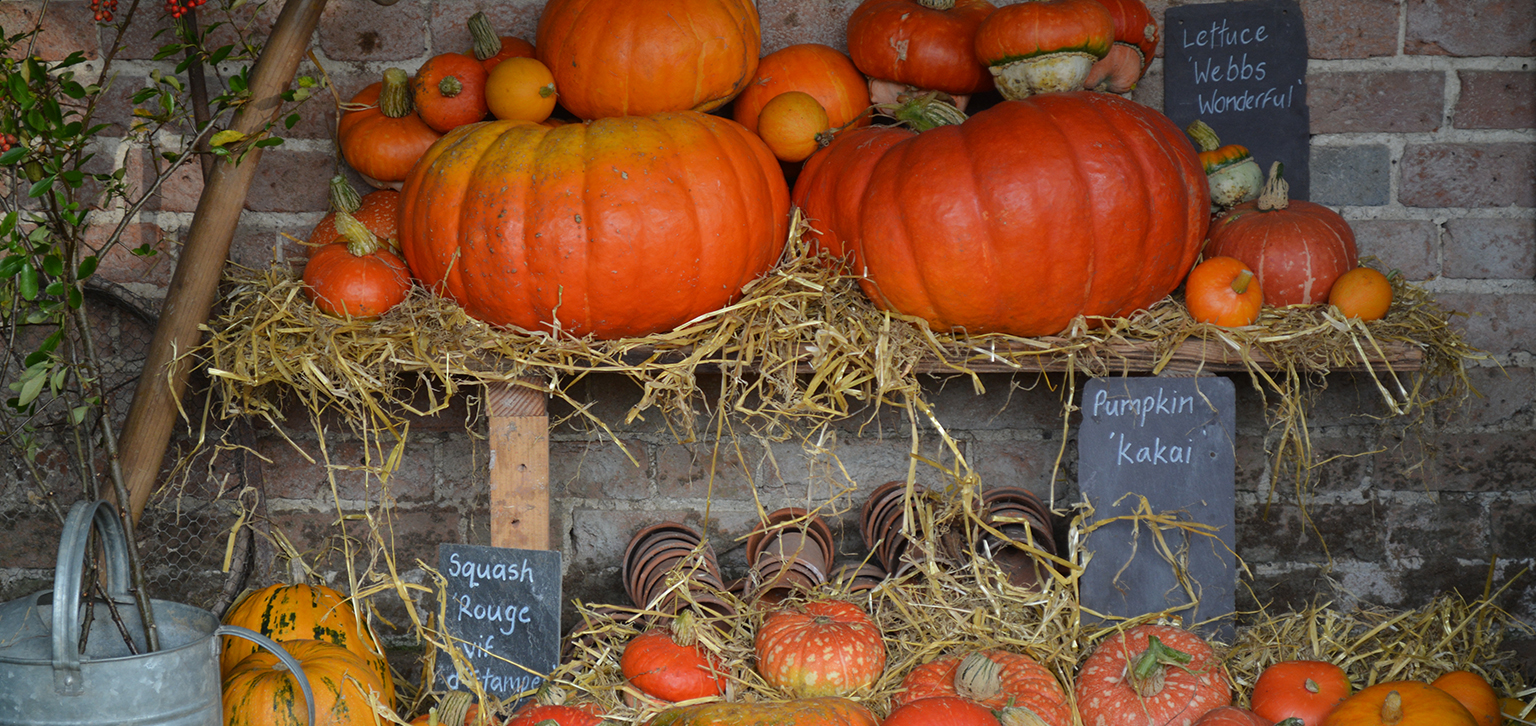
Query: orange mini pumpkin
{"points": [[996, 679], [382, 137], [449, 91], [360, 277], [1222, 290], [793, 125], [1473, 691], [669, 663], [925, 44], [1304, 689], [823, 72], [1362, 293], [521, 89], [1400, 703]]}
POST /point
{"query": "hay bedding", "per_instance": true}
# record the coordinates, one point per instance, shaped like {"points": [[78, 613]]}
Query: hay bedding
{"points": [[804, 347]]}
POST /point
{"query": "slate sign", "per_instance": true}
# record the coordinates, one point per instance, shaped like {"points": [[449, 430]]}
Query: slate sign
{"points": [[1169, 440], [1242, 67], [503, 615]]}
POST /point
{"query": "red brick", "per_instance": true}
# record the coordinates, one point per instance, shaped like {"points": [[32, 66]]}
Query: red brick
{"points": [[178, 193], [1384, 101], [1473, 28], [257, 245], [1496, 100], [1490, 249], [599, 470], [1350, 28], [115, 105], [1468, 175], [450, 31], [788, 22], [118, 264], [1497, 323], [1409, 246], [291, 181], [70, 26], [360, 30]]}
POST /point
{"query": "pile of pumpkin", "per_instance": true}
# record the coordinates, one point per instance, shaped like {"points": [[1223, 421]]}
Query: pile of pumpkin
{"points": [[651, 211]]}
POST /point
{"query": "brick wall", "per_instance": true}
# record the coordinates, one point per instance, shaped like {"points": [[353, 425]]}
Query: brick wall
{"points": [[1424, 138]]}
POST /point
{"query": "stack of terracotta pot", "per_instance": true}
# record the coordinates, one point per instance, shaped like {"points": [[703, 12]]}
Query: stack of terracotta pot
{"points": [[1020, 517], [880, 523], [791, 551], [658, 551]]}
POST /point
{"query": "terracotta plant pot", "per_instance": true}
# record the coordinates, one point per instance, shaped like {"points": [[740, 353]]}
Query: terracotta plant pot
{"points": [[815, 537]]}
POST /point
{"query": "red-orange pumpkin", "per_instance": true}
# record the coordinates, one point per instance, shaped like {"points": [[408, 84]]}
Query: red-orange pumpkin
{"points": [[618, 227], [384, 137], [1136, 38], [1100, 199], [819, 648], [359, 277], [811, 68], [946, 710], [1304, 689], [1151, 675], [304, 612], [1234, 716], [378, 211], [668, 663], [828, 711], [830, 187], [449, 91], [1012, 680], [490, 49], [536, 714], [1296, 248], [1044, 45], [260, 690], [1222, 290], [926, 44], [621, 57]]}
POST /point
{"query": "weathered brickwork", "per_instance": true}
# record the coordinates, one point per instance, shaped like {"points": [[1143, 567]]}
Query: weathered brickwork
{"points": [[1424, 137]]}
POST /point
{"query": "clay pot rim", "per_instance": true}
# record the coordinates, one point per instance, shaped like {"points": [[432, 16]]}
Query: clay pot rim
{"points": [[778, 523], [879, 500]]}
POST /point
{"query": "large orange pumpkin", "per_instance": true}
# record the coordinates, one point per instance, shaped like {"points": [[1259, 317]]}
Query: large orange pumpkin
{"points": [[1029, 214], [926, 44], [812, 68], [826, 711], [618, 227], [830, 187], [260, 690], [304, 612], [621, 57], [996, 679], [1400, 703]]}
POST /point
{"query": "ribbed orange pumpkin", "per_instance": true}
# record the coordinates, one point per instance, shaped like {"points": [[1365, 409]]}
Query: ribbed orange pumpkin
{"points": [[1296, 248], [1100, 199], [1151, 675], [1400, 703], [260, 690], [1304, 689], [819, 648], [926, 44], [618, 227], [359, 277], [304, 612], [1043, 46], [812, 68], [385, 137], [1015, 680], [621, 57]]}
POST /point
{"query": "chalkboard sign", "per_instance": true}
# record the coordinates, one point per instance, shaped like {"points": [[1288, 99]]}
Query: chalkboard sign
{"points": [[1168, 440], [1242, 68], [503, 615]]}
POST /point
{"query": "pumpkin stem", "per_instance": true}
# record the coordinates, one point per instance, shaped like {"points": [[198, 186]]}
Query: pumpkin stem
{"points": [[1392, 709], [487, 43], [978, 677], [1147, 673], [395, 96], [546, 90], [1276, 190], [1311, 685], [937, 4], [454, 708], [1020, 716], [1240, 286], [924, 112], [1203, 135], [361, 241], [343, 197], [682, 628], [432, 719], [450, 86], [1292, 721]]}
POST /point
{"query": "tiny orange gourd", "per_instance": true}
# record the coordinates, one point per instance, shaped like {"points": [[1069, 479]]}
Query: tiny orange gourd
{"points": [[793, 124], [449, 91], [1362, 293], [383, 136], [1400, 703], [1222, 290], [1473, 691], [521, 89]]}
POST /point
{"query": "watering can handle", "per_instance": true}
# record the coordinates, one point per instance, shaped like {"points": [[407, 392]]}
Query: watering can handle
{"points": [[66, 583], [282, 655]]}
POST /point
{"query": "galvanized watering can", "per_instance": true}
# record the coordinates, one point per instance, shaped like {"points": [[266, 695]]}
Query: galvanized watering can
{"points": [[45, 679]]}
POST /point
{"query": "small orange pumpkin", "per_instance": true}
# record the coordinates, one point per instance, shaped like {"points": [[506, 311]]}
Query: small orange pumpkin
{"points": [[382, 137], [1362, 293], [1400, 703], [1472, 690], [819, 70], [793, 124], [521, 89], [1222, 290], [260, 690], [819, 648], [378, 210], [360, 278], [1304, 689], [450, 91], [668, 663]]}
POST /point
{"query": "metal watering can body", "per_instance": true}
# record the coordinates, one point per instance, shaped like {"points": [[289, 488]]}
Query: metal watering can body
{"points": [[45, 680]]}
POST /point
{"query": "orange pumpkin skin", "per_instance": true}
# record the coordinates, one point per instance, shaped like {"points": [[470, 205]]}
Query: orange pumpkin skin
{"points": [[1362, 293], [348, 285], [830, 187], [438, 103], [1297, 251], [945, 710], [521, 89], [563, 715], [1421, 705], [827, 711], [1107, 698], [792, 125], [380, 213], [850, 654], [1040, 27], [1103, 196], [906, 42], [658, 665], [1304, 689], [261, 691], [822, 71], [379, 147], [1232, 716], [1473, 692], [1024, 683], [304, 612], [1212, 295], [625, 58], [1136, 37], [617, 227]]}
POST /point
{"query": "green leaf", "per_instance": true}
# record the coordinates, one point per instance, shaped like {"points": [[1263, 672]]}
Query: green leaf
{"points": [[73, 178], [28, 281], [11, 264], [77, 414], [227, 136], [269, 141], [73, 59], [13, 156], [220, 54], [167, 51], [292, 119], [59, 376], [55, 288], [73, 90], [31, 387], [53, 265], [20, 93], [40, 188], [76, 298], [35, 121], [7, 224], [87, 267]]}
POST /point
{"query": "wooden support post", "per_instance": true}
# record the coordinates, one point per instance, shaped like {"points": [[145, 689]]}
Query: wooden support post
{"points": [[152, 416], [519, 437]]}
